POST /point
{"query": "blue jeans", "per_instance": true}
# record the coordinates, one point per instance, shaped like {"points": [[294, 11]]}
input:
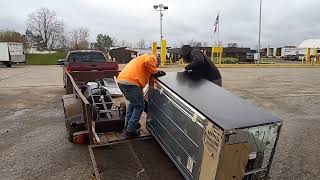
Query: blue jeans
{"points": [[136, 105]]}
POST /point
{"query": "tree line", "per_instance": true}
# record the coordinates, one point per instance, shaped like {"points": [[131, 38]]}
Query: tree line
{"points": [[44, 30]]}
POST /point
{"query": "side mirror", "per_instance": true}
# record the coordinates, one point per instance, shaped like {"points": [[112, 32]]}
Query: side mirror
{"points": [[60, 62]]}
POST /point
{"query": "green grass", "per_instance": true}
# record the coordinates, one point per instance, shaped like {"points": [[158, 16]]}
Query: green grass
{"points": [[44, 59]]}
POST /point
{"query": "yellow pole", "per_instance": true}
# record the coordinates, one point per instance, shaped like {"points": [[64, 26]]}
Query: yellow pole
{"points": [[308, 56], [315, 55], [212, 54], [154, 48], [163, 51]]}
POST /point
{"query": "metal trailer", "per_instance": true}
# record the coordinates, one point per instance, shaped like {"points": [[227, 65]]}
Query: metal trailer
{"points": [[11, 53], [82, 77], [208, 132], [88, 112], [112, 155], [196, 151]]}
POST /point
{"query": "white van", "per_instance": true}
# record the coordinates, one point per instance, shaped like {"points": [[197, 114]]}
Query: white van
{"points": [[11, 53]]}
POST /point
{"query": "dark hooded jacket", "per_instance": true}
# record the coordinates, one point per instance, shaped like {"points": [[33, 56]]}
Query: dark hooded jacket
{"points": [[200, 64]]}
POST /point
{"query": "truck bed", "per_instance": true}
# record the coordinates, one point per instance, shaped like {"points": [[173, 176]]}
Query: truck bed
{"points": [[140, 158]]}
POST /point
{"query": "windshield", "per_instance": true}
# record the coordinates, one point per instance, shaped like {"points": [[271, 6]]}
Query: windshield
{"points": [[86, 57]]}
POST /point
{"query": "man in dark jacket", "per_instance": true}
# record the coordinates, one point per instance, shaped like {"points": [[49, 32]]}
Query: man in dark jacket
{"points": [[200, 65]]}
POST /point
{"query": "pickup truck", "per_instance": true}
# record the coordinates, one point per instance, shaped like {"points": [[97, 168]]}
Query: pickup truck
{"points": [[83, 64]]}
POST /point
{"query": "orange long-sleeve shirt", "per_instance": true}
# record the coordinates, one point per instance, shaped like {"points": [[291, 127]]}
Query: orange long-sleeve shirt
{"points": [[139, 70]]}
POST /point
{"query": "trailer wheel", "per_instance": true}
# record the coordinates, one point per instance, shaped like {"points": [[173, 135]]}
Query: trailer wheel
{"points": [[69, 129], [73, 124], [8, 64]]}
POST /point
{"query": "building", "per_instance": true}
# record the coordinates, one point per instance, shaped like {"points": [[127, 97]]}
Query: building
{"points": [[122, 54], [274, 52], [312, 44], [236, 52], [263, 52]]}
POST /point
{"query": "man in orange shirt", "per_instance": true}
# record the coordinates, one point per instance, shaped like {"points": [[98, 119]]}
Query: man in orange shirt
{"points": [[132, 79]]}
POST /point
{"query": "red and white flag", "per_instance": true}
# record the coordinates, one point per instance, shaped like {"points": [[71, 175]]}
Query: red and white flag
{"points": [[216, 23]]}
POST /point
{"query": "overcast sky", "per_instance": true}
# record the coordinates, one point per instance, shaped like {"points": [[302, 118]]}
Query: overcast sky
{"points": [[284, 22]]}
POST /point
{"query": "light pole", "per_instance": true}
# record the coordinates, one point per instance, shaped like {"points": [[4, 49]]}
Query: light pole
{"points": [[259, 41], [160, 8]]}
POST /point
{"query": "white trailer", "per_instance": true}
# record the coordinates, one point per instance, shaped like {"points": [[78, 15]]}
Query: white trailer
{"points": [[287, 51], [11, 53]]}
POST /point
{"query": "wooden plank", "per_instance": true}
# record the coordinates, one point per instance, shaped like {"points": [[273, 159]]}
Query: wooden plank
{"points": [[94, 163], [120, 141], [77, 90]]}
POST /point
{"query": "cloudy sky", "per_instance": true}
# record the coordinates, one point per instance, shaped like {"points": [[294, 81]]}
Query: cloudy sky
{"points": [[284, 22]]}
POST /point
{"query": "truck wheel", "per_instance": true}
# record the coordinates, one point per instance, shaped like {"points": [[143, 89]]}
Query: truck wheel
{"points": [[8, 64]]}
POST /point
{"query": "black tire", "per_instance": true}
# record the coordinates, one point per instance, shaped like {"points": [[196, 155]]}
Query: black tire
{"points": [[72, 127], [122, 110], [94, 112], [8, 64], [69, 130]]}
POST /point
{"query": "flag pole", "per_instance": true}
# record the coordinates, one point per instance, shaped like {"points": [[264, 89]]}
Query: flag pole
{"points": [[218, 28]]}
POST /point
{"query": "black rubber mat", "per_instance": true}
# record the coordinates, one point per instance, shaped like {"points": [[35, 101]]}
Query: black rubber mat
{"points": [[136, 159]]}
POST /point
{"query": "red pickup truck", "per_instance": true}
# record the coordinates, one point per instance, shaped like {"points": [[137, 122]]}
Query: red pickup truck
{"points": [[87, 65]]}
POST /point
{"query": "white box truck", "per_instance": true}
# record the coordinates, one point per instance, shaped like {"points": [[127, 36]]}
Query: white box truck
{"points": [[11, 53], [289, 53]]}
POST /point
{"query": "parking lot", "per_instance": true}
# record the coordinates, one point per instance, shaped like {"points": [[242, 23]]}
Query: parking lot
{"points": [[32, 134]]}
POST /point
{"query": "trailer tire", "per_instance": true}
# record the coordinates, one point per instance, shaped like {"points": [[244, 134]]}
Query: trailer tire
{"points": [[69, 130], [73, 124], [8, 64]]}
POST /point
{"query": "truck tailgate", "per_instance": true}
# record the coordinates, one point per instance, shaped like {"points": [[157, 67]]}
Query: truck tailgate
{"points": [[92, 66], [141, 158]]}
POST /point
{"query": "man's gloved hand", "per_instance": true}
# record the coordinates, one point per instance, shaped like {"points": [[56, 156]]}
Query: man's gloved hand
{"points": [[188, 71], [159, 73]]}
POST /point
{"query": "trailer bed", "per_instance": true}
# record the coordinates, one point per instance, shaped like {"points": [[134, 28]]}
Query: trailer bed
{"points": [[140, 158]]}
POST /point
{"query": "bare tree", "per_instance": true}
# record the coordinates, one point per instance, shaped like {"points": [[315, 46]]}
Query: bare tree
{"points": [[122, 43], [181, 44], [79, 38], [141, 44], [44, 23], [63, 42], [204, 44], [194, 43], [114, 41]]}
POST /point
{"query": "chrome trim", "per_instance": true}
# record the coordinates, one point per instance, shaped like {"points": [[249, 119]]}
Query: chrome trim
{"points": [[177, 127], [170, 93]]}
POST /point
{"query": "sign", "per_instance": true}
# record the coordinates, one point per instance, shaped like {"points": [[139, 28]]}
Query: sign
{"points": [[15, 49]]}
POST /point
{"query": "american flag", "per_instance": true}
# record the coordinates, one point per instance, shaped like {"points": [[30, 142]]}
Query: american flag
{"points": [[216, 23]]}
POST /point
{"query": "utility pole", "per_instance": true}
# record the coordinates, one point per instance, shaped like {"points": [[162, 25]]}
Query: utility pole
{"points": [[160, 8], [259, 41]]}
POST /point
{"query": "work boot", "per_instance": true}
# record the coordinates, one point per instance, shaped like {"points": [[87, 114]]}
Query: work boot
{"points": [[137, 127], [134, 134]]}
